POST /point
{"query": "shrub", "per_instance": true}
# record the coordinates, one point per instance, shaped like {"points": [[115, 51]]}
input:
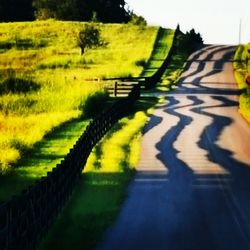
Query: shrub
{"points": [[189, 41], [89, 37], [14, 84], [6, 45], [137, 20], [94, 104], [141, 63]]}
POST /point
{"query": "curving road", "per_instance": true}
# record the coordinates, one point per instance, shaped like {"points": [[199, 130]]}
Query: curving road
{"points": [[192, 189]]}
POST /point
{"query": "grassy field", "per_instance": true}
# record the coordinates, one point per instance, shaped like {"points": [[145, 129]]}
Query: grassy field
{"points": [[242, 69], [61, 87], [102, 189], [44, 59]]}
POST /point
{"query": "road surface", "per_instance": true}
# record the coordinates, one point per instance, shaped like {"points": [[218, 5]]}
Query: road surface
{"points": [[192, 189]]}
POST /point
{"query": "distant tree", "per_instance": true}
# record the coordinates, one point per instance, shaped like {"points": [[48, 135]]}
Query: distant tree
{"points": [[189, 41], [194, 37], [113, 11], [107, 11], [137, 20], [16, 10], [89, 37]]}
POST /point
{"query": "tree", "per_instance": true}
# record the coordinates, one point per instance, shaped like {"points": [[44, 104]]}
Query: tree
{"points": [[189, 41], [195, 37], [89, 37], [113, 11], [107, 11], [16, 10], [137, 20]]}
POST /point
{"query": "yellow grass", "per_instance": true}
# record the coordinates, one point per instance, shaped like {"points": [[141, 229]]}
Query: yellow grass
{"points": [[242, 70], [52, 59], [115, 149]]}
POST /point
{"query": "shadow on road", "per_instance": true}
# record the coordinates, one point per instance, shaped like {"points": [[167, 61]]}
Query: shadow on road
{"points": [[181, 209], [208, 211]]}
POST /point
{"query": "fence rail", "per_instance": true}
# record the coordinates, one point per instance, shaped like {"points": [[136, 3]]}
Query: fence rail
{"points": [[122, 88]]}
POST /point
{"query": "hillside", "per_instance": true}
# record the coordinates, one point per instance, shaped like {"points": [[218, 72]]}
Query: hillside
{"points": [[43, 58]]}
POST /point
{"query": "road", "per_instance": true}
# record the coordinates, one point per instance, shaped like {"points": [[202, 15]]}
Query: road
{"points": [[192, 189]]}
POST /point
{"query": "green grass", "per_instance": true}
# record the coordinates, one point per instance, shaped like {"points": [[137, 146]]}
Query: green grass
{"points": [[90, 211], [173, 72], [161, 48], [45, 53], [41, 158], [242, 70], [175, 68]]}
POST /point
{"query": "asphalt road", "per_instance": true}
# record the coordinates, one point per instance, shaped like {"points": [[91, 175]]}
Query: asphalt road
{"points": [[192, 189]]}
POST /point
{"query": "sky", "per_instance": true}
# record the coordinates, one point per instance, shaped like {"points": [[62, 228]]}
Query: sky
{"points": [[218, 21]]}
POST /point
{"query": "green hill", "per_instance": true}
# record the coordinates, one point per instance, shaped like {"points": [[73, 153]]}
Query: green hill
{"points": [[44, 81]]}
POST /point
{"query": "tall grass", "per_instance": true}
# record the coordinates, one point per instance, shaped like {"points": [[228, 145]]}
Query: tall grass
{"points": [[58, 87], [242, 70]]}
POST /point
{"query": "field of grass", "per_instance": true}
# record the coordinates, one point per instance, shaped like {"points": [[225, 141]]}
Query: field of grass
{"points": [[44, 59], [45, 53], [242, 70], [102, 189]]}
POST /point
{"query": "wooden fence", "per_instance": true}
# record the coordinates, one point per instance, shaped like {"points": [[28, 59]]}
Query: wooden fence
{"points": [[121, 86], [25, 219]]}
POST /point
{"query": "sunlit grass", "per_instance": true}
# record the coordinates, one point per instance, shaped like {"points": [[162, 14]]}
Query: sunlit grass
{"points": [[242, 70], [125, 45], [41, 158], [160, 51], [122, 143], [47, 53]]}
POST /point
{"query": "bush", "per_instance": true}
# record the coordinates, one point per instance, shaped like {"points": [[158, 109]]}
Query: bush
{"points": [[189, 42], [14, 84], [141, 63], [6, 45], [94, 104], [137, 20], [89, 37]]}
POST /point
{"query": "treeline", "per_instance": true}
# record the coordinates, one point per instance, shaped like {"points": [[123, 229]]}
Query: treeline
{"points": [[188, 41], [107, 11]]}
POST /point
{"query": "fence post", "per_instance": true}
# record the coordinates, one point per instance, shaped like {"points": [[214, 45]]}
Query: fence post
{"points": [[115, 89]]}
